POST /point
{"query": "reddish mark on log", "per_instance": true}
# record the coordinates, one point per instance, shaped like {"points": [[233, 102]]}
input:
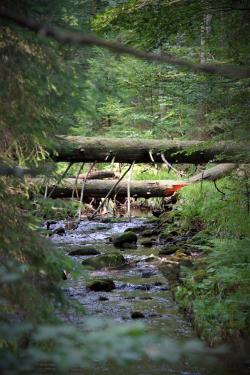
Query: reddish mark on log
{"points": [[170, 191]]}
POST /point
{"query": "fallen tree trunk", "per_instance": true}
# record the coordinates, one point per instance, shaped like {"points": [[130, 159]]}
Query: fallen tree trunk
{"points": [[214, 173], [101, 150], [99, 175], [100, 188]]}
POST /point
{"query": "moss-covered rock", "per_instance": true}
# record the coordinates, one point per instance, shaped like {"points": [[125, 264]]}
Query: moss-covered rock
{"points": [[168, 250], [106, 260], [124, 238], [104, 285], [153, 220], [135, 229], [85, 250], [171, 272], [150, 232], [148, 243]]}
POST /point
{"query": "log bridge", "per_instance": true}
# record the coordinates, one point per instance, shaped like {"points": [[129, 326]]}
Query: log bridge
{"points": [[104, 150], [100, 188]]}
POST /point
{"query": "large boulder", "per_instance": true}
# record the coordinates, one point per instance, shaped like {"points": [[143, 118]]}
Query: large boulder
{"points": [[124, 238], [106, 260], [83, 251], [104, 285]]}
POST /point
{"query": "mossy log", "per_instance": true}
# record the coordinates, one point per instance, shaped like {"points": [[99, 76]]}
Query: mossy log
{"points": [[100, 188], [81, 149]]}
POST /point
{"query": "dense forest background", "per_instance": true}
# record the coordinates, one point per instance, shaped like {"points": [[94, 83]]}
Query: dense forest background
{"points": [[48, 88]]}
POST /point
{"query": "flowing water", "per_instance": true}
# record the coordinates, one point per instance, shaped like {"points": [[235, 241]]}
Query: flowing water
{"points": [[139, 287]]}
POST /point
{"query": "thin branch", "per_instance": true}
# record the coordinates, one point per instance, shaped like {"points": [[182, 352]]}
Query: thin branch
{"points": [[170, 166], [73, 37], [151, 156], [220, 191], [129, 183], [60, 179], [76, 181], [82, 190], [109, 193]]}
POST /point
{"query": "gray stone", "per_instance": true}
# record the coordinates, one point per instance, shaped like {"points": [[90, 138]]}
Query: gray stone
{"points": [[126, 237], [105, 285], [85, 250]]}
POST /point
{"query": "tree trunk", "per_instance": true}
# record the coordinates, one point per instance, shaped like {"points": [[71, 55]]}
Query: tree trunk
{"points": [[214, 173], [80, 149], [99, 175], [100, 188]]}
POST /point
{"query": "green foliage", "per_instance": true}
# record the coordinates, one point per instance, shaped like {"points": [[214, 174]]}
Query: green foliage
{"points": [[217, 292], [222, 214], [55, 208]]}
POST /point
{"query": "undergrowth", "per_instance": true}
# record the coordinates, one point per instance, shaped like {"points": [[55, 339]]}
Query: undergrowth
{"points": [[216, 291]]}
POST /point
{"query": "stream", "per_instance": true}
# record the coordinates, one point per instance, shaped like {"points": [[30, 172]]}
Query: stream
{"points": [[140, 287]]}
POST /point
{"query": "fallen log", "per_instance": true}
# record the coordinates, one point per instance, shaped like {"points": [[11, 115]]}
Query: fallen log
{"points": [[214, 173], [101, 150], [98, 175], [100, 188]]}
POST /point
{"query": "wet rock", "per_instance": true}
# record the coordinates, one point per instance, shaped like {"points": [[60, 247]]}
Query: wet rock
{"points": [[167, 237], [142, 287], [128, 246], [101, 227], [171, 272], [129, 297], [158, 283], [106, 260], [137, 315], [49, 223], [148, 243], [107, 220], [85, 250], [154, 315], [168, 250], [103, 298], [59, 231], [146, 298], [125, 238], [149, 259], [157, 213], [146, 275], [150, 232], [135, 229], [105, 285]]}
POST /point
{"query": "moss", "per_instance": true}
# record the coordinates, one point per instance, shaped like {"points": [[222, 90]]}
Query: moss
{"points": [[126, 237], [106, 260]]}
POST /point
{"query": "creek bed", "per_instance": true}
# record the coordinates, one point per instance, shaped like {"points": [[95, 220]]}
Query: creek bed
{"points": [[139, 287]]}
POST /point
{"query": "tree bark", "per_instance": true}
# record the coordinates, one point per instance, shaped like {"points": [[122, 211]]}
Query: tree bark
{"points": [[214, 173], [81, 149], [99, 175], [100, 188]]}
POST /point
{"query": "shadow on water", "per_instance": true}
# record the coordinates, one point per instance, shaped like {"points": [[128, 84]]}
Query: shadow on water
{"points": [[139, 287]]}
